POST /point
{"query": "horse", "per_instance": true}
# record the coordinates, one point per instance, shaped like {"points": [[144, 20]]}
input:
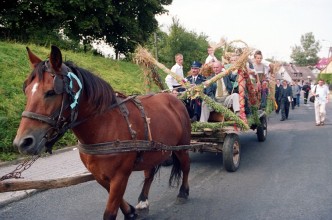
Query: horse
{"points": [[116, 134]]}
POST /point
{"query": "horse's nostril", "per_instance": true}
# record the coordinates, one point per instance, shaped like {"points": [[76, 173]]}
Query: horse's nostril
{"points": [[27, 142]]}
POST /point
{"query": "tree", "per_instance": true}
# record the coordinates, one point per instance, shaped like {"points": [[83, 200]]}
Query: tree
{"points": [[193, 46], [306, 54], [122, 24]]}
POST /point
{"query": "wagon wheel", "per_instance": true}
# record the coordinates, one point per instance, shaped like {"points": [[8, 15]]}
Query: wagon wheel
{"points": [[231, 152], [262, 129]]}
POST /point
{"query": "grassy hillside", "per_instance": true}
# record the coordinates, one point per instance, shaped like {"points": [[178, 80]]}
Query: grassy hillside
{"points": [[125, 77]]}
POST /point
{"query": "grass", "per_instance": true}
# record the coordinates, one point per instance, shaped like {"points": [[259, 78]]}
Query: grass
{"points": [[125, 77]]}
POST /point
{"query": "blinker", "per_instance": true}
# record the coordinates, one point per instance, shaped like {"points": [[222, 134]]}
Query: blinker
{"points": [[58, 85]]}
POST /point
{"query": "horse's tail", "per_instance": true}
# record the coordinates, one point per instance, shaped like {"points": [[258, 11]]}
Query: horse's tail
{"points": [[176, 172]]}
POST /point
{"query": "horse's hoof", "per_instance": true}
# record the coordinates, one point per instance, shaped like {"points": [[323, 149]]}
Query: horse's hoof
{"points": [[132, 215], [181, 200], [142, 213]]}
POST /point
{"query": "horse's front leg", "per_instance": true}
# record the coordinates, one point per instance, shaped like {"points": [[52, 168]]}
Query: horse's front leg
{"points": [[117, 189], [128, 210]]}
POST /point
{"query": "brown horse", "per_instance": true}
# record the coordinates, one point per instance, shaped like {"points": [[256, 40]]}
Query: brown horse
{"points": [[116, 134]]}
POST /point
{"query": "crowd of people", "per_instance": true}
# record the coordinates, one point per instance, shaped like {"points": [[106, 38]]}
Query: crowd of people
{"points": [[289, 94], [226, 92]]}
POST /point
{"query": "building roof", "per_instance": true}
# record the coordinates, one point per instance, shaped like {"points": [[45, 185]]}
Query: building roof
{"points": [[328, 68], [322, 63], [299, 72]]}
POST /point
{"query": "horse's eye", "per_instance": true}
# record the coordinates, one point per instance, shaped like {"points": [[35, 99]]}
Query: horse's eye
{"points": [[50, 93]]}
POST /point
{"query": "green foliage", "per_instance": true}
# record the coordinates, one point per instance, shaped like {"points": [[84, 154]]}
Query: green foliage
{"points": [[193, 46], [8, 156], [327, 77], [214, 126], [14, 68], [219, 52], [254, 118], [306, 54], [227, 113], [122, 24]]}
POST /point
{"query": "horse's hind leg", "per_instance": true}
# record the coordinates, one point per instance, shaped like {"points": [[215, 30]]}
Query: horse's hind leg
{"points": [[182, 159], [143, 203]]}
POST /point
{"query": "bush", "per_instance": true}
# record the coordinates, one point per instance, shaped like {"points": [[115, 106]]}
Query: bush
{"points": [[327, 77]]}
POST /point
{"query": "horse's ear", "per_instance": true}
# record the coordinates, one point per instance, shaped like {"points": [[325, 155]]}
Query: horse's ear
{"points": [[56, 58], [34, 60]]}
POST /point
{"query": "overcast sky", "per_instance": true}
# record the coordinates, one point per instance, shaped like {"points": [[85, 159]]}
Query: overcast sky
{"points": [[273, 26]]}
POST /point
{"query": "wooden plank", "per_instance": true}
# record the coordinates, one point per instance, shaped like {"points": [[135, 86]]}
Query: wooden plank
{"points": [[16, 185]]}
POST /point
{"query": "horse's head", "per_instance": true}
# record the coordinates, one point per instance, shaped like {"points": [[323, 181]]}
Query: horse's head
{"points": [[52, 91]]}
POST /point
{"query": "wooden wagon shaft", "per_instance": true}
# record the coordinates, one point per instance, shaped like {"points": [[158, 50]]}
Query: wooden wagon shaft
{"points": [[16, 185], [128, 146]]}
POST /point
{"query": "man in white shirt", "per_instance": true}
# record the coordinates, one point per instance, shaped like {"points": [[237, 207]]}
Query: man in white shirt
{"points": [[177, 69], [211, 57], [321, 93]]}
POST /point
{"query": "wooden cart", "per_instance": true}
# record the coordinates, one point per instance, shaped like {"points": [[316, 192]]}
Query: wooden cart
{"points": [[226, 141]]}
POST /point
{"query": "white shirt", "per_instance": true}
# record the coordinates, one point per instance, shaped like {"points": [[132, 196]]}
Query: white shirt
{"points": [[322, 92], [210, 58], [169, 80]]}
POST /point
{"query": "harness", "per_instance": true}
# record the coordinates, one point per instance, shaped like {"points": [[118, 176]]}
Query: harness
{"points": [[63, 84]]}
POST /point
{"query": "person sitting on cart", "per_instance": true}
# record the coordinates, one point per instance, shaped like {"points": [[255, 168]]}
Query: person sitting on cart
{"points": [[173, 85], [221, 91], [264, 94], [195, 78]]}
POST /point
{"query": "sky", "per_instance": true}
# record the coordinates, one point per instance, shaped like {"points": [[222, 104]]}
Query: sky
{"points": [[272, 26]]}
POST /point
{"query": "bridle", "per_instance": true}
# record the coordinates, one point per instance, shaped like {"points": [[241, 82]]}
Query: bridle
{"points": [[63, 83]]}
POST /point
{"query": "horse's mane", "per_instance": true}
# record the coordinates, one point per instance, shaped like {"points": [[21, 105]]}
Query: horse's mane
{"points": [[100, 94]]}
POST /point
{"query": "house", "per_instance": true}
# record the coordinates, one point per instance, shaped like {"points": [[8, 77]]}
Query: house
{"points": [[282, 74], [291, 72], [328, 67], [315, 71]]}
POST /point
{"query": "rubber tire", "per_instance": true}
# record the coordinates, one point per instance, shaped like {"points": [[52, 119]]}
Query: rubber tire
{"points": [[262, 129], [231, 159]]}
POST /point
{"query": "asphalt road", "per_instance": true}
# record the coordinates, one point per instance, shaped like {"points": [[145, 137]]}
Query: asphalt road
{"points": [[289, 176]]}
